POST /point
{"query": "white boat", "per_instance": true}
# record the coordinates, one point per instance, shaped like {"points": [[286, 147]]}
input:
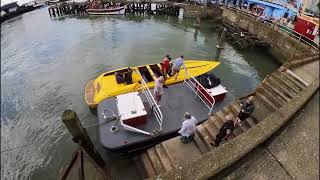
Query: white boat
{"points": [[107, 11]]}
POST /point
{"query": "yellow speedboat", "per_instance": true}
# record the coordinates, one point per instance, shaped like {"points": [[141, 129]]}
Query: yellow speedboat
{"points": [[106, 86]]}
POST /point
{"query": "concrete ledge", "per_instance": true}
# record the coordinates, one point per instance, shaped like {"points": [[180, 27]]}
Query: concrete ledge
{"points": [[296, 63], [214, 161]]}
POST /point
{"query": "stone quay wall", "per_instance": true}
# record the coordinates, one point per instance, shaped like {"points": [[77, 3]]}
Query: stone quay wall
{"points": [[283, 46]]}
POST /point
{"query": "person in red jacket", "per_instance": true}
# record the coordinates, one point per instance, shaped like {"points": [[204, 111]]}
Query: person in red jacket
{"points": [[165, 68]]}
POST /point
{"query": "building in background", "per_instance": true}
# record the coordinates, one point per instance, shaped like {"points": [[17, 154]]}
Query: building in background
{"points": [[269, 9], [272, 9]]}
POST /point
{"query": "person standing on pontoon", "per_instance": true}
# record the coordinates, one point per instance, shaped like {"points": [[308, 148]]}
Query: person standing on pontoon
{"points": [[188, 129], [165, 68], [158, 89], [177, 63]]}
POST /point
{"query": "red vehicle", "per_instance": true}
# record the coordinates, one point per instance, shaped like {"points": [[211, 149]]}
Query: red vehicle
{"points": [[307, 26]]}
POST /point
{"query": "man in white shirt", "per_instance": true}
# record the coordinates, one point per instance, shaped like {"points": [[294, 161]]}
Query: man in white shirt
{"points": [[158, 89], [188, 129], [177, 63]]}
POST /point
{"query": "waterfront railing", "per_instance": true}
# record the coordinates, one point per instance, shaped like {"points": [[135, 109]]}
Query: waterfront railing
{"points": [[202, 93]]}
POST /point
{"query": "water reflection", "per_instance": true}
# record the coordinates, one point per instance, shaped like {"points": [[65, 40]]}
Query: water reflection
{"points": [[195, 34]]}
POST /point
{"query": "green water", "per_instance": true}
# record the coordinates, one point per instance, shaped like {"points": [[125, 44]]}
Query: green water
{"points": [[45, 64]]}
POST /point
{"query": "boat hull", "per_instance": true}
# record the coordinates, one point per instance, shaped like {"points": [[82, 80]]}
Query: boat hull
{"points": [[118, 11], [105, 86]]}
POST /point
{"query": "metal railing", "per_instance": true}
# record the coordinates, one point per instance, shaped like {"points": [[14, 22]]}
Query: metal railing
{"points": [[155, 108], [200, 91], [283, 28]]}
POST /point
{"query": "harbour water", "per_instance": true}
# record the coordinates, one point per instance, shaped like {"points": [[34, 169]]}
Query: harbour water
{"points": [[45, 64]]}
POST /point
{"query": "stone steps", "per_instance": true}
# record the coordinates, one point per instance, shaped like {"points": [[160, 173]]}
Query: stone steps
{"points": [[203, 134], [275, 91], [296, 79], [290, 80], [280, 88], [280, 96], [155, 160], [286, 83], [217, 122], [164, 158], [201, 143], [270, 105], [149, 170]]}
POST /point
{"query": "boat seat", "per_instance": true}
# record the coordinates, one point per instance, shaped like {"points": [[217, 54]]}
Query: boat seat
{"points": [[119, 78], [128, 78]]}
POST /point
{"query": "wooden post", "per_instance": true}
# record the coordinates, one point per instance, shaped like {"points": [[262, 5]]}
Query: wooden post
{"points": [[58, 12], [197, 23], [80, 135], [54, 12], [221, 44]]}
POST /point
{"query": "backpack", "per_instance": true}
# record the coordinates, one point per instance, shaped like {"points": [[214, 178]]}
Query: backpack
{"points": [[208, 81]]}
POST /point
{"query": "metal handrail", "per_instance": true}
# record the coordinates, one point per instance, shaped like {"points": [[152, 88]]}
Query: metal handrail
{"points": [[195, 85], [155, 108]]}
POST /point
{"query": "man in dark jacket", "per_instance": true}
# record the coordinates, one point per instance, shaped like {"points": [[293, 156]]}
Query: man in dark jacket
{"points": [[247, 108], [225, 130]]}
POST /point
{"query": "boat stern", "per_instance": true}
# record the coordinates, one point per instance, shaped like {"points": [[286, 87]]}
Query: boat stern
{"points": [[89, 94]]}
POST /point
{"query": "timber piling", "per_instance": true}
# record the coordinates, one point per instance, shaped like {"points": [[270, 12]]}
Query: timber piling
{"points": [[62, 9]]}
